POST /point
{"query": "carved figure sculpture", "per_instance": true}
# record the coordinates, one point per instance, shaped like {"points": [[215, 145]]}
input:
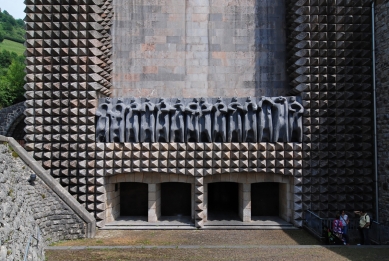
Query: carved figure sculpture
{"points": [[163, 121], [265, 119], [117, 121], [219, 131], [205, 121], [280, 121], [270, 120], [295, 120], [132, 121], [147, 127], [235, 121], [250, 121], [177, 131], [102, 122], [192, 121]]}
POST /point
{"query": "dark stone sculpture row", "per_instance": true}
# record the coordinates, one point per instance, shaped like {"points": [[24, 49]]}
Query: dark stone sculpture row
{"points": [[264, 119]]}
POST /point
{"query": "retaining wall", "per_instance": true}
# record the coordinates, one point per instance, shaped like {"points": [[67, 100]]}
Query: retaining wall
{"points": [[34, 208]]}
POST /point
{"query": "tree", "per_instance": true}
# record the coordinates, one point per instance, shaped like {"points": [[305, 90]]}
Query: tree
{"points": [[11, 85], [1, 37]]}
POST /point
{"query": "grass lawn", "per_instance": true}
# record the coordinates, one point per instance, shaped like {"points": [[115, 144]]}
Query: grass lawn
{"points": [[12, 47]]}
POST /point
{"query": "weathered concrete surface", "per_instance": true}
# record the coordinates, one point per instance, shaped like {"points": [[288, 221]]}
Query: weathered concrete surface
{"points": [[199, 48], [382, 81], [28, 208]]}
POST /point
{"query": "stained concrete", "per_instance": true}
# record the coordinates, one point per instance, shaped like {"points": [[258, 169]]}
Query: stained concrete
{"points": [[198, 48]]}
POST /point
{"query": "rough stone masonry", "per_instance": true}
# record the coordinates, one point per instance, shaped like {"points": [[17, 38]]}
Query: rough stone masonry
{"points": [[30, 209]]}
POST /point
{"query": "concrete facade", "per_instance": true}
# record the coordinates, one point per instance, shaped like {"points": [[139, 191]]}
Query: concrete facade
{"points": [[201, 48], [70, 64]]}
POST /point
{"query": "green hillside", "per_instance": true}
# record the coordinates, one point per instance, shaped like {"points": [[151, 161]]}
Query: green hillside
{"points": [[11, 46], [11, 28], [11, 60]]}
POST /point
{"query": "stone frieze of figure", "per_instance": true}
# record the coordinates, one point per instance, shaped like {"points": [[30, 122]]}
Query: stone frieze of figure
{"points": [[177, 126], [163, 121], [250, 121], [132, 121], [192, 121], [205, 121], [276, 119], [147, 122], [117, 121], [235, 121], [219, 130], [280, 120], [102, 121], [296, 111], [265, 119]]}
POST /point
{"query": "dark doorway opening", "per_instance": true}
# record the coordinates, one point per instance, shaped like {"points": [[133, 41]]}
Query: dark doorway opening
{"points": [[176, 199], [16, 130], [133, 199], [265, 199], [223, 201]]}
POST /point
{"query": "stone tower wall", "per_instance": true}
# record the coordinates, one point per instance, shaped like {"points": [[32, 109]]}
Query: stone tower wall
{"points": [[330, 64], [69, 66], [382, 82], [197, 48]]}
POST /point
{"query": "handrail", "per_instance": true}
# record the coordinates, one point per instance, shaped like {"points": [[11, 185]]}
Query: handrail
{"points": [[28, 247], [315, 225], [29, 242], [312, 213]]}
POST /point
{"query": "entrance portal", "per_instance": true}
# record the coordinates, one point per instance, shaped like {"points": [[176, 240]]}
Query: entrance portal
{"points": [[265, 199], [133, 199], [176, 199], [223, 201]]}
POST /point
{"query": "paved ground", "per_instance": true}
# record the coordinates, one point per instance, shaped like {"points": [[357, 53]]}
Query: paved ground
{"points": [[196, 237], [209, 245]]}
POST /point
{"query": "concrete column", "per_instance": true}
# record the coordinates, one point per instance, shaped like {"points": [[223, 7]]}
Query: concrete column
{"points": [[154, 201], [245, 201]]}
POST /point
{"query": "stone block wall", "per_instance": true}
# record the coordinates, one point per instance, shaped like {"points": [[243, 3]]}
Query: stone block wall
{"points": [[28, 208], [195, 48], [69, 67], [382, 85]]}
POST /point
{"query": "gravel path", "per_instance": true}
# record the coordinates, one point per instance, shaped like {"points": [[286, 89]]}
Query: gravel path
{"points": [[203, 245], [273, 254], [196, 237]]}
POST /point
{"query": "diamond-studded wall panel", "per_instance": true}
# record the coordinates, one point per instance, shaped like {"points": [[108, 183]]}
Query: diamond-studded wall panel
{"points": [[330, 65], [69, 66], [68, 62]]}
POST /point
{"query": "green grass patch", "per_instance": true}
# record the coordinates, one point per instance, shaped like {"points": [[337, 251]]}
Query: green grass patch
{"points": [[11, 46]]}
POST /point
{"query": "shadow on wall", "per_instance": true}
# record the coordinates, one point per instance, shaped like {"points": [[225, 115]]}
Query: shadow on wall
{"points": [[270, 48]]}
